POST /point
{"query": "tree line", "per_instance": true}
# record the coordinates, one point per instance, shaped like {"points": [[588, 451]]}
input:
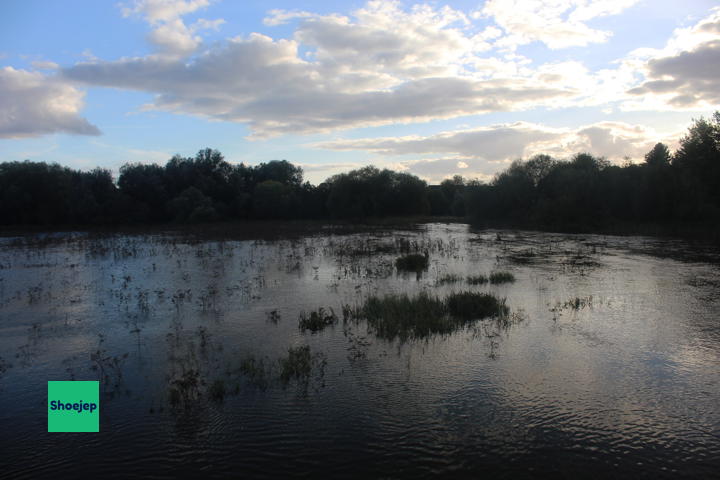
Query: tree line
{"points": [[581, 193]]}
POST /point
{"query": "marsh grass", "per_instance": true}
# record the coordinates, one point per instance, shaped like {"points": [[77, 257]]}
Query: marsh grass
{"points": [[449, 278], [497, 278], [473, 305], [317, 320], [423, 315], [256, 371], [217, 390], [185, 390], [477, 279], [300, 364], [413, 262]]}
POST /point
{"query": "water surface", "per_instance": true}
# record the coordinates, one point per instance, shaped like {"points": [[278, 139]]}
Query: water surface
{"points": [[608, 365]]}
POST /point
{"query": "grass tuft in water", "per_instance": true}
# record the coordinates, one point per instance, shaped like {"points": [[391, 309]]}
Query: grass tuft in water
{"points": [[413, 262], [449, 278], [420, 316], [406, 317], [473, 305], [217, 390], [317, 320], [477, 279], [299, 365], [501, 277]]}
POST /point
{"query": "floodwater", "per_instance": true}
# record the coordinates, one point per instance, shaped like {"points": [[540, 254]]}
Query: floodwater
{"points": [[607, 366]]}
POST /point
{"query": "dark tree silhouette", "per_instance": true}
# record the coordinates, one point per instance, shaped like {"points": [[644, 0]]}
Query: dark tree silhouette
{"points": [[583, 193]]}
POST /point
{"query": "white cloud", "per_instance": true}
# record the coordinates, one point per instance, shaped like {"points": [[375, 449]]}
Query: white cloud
{"points": [[556, 23], [684, 75], [482, 152], [262, 82], [32, 104], [384, 65], [159, 11], [280, 17], [170, 33], [43, 65]]}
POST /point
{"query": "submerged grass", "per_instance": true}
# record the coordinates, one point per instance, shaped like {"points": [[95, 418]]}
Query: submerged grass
{"points": [[217, 390], [300, 364], [423, 315], [256, 371], [317, 320], [413, 262], [449, 278], [501, 277], [477, 279], [473, 305]]}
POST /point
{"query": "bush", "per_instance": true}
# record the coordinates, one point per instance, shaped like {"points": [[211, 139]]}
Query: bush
{"points": [[413, 262]]}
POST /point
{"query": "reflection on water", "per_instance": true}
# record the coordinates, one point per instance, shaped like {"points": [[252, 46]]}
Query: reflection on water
{"points": [[607, 364]]}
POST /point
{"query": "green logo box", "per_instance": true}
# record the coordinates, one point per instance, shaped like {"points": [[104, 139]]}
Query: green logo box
{"points": [[73, 406]]}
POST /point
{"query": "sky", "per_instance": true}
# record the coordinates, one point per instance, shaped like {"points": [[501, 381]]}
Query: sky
{"points": [[434, 89]]}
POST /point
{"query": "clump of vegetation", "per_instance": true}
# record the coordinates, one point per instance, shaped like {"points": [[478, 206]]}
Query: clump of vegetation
{"points": [[449, 278], [473, 305], [4, 366], [273, 316], [186, 389], [255, 371], [403, 317], [217, 390], [477, 279], [413, 262], [578, 303], [317, 320], [497, 278], [299, 365]]}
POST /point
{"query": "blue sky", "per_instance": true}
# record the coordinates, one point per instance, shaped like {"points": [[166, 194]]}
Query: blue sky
{"points": [[435, 89]]}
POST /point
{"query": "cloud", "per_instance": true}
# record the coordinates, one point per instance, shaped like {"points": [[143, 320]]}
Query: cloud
{"points": [[383, 66], [684, 75], [436, 170], [482, 152], [556, 23], [170, 34], [281, 17], [32, 104], [42, 65], [494, 143]]}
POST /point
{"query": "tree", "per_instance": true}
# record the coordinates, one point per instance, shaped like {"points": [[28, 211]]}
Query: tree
{"points": [[659, 156], [273, 199], [280, 171], [192, 206], [697, 162]]}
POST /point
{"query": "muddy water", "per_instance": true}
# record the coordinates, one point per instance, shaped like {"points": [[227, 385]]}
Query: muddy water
{"points": [[608, 364]]}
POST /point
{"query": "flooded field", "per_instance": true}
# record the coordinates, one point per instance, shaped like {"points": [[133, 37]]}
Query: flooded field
{"points": [[597, 356]]}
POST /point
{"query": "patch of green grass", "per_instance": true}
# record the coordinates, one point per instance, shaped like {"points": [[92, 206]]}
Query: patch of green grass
{"points": [[501, 277], [413, 262], [423, 315], [477, 279], [449, 278], [317, 320]]}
